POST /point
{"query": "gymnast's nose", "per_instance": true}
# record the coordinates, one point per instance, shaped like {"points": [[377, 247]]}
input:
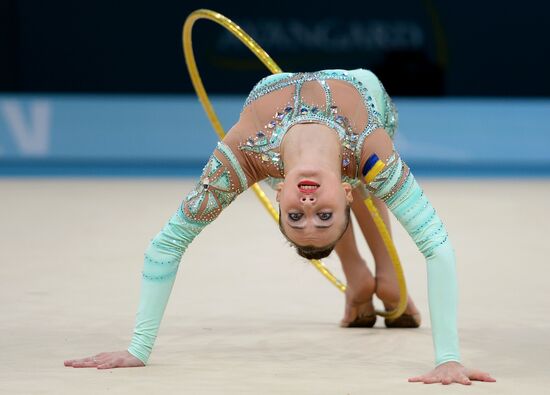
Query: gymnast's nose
{"points": [[308, 199]]}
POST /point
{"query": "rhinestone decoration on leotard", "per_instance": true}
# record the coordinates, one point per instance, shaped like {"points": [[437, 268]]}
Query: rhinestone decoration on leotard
{"points": [[265, 144], [396, 186], [215, 190]]}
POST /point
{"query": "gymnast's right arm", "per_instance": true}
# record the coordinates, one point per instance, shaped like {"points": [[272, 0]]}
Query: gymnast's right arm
{"points": [[222, 180]]}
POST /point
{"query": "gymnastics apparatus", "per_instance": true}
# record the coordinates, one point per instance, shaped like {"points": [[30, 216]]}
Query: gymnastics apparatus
{"points": [[218, 128]]}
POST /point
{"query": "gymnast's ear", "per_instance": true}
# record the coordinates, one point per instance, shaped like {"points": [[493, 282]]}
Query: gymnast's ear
{"points": [[278, 188], [348, 190]]}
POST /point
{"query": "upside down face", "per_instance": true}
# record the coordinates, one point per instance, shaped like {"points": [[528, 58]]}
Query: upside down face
{"points": [[313, 205]]}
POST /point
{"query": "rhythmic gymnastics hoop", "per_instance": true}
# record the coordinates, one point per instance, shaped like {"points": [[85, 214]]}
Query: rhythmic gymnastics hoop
{"points": [[249, 42]]}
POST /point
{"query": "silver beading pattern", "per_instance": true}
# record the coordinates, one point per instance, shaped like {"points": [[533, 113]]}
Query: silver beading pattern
{"points": [[266, 142]]}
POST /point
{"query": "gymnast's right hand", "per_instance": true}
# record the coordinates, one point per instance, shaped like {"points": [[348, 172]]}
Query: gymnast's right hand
{"points": [[106, 360]]}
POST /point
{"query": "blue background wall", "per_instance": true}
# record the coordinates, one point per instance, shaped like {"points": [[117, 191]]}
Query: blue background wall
{"points": [[101, 87], [168, 135]]}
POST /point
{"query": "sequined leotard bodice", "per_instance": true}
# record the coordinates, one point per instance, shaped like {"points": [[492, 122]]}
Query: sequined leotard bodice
{"points": [[352, 103], [337, 99], [355, 106]]}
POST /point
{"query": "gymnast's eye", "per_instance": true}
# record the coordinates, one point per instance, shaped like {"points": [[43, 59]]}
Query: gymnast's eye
{"points": [[295, 216], [324, 216]]}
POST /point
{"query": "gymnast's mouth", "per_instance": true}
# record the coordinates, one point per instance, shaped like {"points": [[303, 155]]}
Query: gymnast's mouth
{"points": [[308, 186]]}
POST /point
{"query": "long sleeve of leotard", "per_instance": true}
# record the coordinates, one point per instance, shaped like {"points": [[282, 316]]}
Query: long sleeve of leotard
{"points": [[397, 187], [221, 181]]}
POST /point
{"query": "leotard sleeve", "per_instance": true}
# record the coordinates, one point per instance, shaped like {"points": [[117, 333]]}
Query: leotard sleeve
{"points": [[221, 181], [397, 187]]}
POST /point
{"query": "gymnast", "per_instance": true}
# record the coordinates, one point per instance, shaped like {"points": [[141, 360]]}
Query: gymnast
{"points": [[323, 137]]}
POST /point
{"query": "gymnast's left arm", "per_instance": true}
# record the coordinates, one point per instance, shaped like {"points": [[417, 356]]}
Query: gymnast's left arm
{"points": [[387, 177]]}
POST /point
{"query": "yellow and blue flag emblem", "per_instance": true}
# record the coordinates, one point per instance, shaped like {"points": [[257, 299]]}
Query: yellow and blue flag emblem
{"points": [[373, 166]]}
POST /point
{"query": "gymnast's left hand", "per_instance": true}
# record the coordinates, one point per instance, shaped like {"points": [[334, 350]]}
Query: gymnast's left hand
{"points": [[452, 372]]}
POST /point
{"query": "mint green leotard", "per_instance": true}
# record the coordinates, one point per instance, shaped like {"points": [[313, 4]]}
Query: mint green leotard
{"points": [[356, 106]]}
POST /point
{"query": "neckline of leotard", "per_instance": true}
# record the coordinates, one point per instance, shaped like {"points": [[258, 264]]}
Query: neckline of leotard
{"points": [[299, 79]]}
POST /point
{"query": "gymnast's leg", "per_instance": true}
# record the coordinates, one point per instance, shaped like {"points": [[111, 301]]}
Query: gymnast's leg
{"points": [[359, 310], [387, 288]]}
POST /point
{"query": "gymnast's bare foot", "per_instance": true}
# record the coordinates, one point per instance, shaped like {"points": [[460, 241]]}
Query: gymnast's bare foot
{"points": [[106, 360], [359, 310], [387, 290]]}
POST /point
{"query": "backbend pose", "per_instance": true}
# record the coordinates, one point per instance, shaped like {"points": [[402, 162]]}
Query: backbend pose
{"points": [[320, 133]]}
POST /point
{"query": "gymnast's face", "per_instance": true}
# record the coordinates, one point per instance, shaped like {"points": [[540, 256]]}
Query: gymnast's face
{"points": [[313, 205]]}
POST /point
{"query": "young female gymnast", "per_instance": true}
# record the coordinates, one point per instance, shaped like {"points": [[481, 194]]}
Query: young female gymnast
{"points": [[321, 133]]}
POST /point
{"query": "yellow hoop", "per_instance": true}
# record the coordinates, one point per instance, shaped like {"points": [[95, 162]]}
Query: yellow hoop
{"points": [[211, 114]]}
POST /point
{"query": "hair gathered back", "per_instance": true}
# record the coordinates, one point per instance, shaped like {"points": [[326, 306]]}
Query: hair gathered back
{"points": [[312, 252]]}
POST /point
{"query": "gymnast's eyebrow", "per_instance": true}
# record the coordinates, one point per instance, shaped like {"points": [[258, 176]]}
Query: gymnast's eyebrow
{"points": [[302, 227]]}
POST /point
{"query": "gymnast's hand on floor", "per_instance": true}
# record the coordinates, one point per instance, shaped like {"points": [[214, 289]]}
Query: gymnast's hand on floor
{"points": [[106, 360], [452, 372]]}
